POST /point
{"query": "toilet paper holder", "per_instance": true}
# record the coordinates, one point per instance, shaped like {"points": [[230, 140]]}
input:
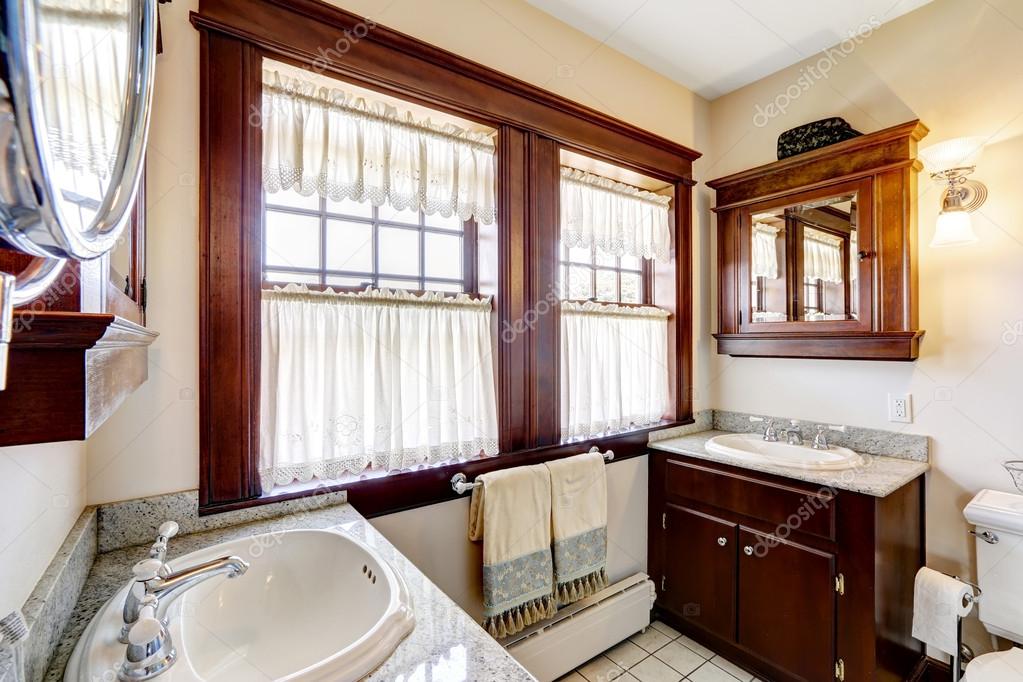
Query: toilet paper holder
{"points": [[959, 658]]}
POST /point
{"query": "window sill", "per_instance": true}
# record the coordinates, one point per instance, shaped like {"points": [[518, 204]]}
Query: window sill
{"points": [[379, 493]]}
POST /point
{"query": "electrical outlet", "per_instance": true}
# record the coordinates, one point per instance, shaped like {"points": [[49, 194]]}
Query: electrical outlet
{"points": [[900, 408]]}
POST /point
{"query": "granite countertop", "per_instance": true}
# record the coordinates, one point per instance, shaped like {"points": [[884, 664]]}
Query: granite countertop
{"points": [[445, 646], [879, 476]]}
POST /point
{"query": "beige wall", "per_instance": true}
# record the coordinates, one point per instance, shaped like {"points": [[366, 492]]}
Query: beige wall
{"points": [[42, 491], [957, 67]]}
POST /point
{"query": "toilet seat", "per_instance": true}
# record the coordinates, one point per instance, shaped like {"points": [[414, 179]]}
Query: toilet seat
{"points": [[1000, 666]]}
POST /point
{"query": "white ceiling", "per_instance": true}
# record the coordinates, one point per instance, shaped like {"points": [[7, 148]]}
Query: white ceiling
{"points": [[715, 46]]}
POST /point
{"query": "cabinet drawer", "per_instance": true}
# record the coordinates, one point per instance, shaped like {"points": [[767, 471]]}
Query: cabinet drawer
{"points": [[803, 510]]}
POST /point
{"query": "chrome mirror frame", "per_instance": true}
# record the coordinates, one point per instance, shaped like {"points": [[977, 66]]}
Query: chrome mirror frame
{"points": [[31, 218]]}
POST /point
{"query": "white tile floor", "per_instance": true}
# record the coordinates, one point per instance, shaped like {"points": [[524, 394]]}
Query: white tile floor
{"points": [[661, 654]]}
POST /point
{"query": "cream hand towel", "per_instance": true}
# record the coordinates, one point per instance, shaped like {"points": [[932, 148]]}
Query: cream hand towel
{"points": [[579, 504], [938, 603], [511, 513]]}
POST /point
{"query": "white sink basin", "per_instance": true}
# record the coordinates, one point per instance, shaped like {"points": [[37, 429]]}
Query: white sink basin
{"points": [[314, 605], [753, 447]]}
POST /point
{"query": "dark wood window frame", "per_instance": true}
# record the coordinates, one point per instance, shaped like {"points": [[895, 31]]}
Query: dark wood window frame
{"points": [[645, 273], [517, 258], [467, 235]]}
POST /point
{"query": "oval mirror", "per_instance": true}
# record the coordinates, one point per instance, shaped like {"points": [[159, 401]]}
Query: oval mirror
{"points": [[78, 83]]}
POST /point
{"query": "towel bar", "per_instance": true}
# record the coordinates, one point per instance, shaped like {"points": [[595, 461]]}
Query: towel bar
{"points": [[460, 484]]}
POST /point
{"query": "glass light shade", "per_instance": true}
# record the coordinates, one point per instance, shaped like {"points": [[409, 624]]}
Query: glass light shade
{"points": [[961, 152], [953, 228]]}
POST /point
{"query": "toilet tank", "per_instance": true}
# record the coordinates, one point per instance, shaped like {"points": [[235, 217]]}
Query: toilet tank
{"points": [[998, 517]]}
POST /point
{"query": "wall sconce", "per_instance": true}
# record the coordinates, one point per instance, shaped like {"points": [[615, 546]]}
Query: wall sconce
{"points": [[949, 163]]}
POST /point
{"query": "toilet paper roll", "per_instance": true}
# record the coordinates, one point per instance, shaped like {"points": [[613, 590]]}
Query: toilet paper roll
{"points": [[939, 601]]}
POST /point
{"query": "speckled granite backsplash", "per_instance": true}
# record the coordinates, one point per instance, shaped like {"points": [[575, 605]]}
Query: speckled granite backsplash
{"points": [[865, 441], [125, 524]]}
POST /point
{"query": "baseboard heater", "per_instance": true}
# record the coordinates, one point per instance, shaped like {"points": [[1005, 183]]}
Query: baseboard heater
{"points": [[579, 632]]}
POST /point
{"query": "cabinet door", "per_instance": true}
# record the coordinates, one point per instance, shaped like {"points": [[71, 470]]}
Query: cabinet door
{"points": [[787, 605], [699, 570]]}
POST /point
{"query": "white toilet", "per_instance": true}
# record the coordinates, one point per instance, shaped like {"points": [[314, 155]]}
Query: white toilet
{"points": [[998, 521]]}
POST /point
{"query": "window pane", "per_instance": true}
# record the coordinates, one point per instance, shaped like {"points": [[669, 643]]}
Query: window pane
{"points": [[632, 288], [607, 285], [452, 223], [349, 246], [580, 284], [389, 214], [285, 277], [292, 240], [358, 282], [443, 256], [443, 286], [605, 258], [399, 251], [359, 209], [412, 284], [563, 281], [293, 199], [577, 255], [631, 263]]}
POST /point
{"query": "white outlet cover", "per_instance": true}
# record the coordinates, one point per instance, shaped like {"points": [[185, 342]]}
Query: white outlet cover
{"points": [[900, 408]]}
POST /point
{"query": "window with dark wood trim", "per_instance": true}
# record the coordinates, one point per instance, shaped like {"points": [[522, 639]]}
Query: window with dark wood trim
{"points": [[591, 274], [517, 259], [350, 245]]}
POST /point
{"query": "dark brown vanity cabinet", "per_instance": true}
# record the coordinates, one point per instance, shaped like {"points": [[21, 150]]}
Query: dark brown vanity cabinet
{"points": [[794, 581]]}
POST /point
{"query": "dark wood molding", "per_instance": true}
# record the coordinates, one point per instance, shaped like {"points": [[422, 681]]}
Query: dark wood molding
{"points": [[388, 60], [517, 259], [401, 492], [881, 169], [67, 373], [931, 670]]}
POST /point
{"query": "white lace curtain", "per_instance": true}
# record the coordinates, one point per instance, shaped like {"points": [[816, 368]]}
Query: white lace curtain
{"points": [[765, 251], [614, 367], [619, 219], [83, 57], [822, 257], [381, 379], [323, 140]]}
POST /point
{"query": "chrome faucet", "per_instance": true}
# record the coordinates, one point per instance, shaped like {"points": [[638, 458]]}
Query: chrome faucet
{"points": [[820, 441], [792, 435], [133, 602], [770, 434], [150, 649]]}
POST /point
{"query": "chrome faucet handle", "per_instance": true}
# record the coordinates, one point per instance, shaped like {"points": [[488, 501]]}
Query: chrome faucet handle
{"points": [[770, 433], [143, 571], [793, 436], [150, 650], [820, 440], [167, 530]]}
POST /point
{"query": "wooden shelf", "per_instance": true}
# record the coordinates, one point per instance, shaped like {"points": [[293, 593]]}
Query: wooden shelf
{"points": [[68, 372]]}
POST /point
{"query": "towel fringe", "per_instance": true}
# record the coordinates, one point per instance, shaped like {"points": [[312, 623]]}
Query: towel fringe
{"points": [[580, 588], [520, 617]]}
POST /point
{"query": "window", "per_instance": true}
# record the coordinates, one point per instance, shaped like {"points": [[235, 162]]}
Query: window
{"points": [[592, 274], [351, 245]]}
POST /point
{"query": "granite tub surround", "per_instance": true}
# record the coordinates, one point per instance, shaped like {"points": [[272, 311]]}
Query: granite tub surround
{"points": [[865, 441], [446, 644], [879, 476], [134, 522], [53, 601]]}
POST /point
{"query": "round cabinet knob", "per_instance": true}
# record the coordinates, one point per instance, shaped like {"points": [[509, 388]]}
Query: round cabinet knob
{"points": [[748, 550], [722, 541]]}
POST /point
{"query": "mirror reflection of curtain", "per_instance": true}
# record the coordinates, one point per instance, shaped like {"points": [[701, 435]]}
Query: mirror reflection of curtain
{"points": [[822, 257], [854, 250], [379, 379], [765, 251], [83, 58], [326, 141]]}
